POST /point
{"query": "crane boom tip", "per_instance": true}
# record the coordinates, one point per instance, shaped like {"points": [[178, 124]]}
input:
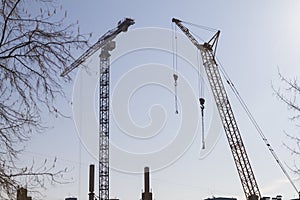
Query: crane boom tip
{"points": [[175, 20]]}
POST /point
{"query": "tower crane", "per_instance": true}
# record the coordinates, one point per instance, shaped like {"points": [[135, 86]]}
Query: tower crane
{"points": [[208, 50], [106, 44]]}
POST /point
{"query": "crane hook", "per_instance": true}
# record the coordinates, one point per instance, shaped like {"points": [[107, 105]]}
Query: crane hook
{"points": [[175, 76], [202, 101]]}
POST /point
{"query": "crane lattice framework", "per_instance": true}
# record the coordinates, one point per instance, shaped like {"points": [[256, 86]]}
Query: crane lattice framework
{"points": [[236, 144], [104, 120], [106, 45]]}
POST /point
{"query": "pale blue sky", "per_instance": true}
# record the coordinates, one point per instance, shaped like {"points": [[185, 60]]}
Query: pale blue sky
{"points": [[256, 38]]}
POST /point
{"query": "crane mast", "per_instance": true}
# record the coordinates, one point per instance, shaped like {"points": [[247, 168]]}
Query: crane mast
{"points": [[106, 45], [229, 123], [104, 120]]}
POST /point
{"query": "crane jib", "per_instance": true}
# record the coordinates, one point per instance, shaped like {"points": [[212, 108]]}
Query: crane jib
{"points": [[104, 39]]}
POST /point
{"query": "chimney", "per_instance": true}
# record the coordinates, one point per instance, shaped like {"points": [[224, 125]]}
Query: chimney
{"points": [[91, 185], [147, 195], [146, 179]]}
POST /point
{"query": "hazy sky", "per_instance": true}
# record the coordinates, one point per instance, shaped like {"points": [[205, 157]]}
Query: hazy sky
{"points": [[257, 38]]}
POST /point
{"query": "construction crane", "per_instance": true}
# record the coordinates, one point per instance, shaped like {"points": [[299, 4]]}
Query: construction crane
{"points": [[106, 45], [208, 50]]}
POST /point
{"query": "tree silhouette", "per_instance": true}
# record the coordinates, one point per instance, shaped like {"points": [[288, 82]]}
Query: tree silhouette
{"points": [[35, 46], [289, 94]]}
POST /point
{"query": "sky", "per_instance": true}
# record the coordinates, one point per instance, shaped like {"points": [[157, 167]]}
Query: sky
{"points": [[258, 39]]}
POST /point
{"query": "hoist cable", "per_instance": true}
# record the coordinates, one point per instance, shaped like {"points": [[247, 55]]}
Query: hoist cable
{"points": [[174, 48], [201, 96], [259, 130], [200, 78], [175, 75]]}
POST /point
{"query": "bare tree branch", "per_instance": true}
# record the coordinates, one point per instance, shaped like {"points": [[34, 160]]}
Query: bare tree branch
{"points": [[35, 47], [289, 95]]}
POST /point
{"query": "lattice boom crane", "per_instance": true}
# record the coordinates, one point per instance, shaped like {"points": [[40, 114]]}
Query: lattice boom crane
{"points": [[106, 45], [236, 144]]}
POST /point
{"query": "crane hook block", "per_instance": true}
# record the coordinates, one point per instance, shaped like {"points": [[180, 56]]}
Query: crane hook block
{"points": [[175, 76], [202, 101]]}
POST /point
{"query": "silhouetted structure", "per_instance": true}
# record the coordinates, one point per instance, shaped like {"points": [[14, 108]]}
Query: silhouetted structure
{"points": [[221, 198], [92, 182], [278, 197], [22, 194], [146, 195], [71, 198]]}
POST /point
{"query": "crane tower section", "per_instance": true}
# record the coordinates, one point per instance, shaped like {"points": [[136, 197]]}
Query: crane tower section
{"points": [[104, 120], [229, 123]]}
